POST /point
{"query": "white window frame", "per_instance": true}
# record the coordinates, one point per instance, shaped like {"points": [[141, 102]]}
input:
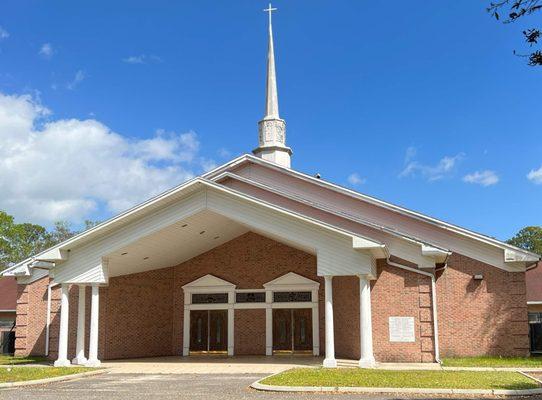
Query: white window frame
{"points": [[290, 282]]}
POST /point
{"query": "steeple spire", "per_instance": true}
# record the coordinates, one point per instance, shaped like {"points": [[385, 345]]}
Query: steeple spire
{"points": [[272, 129]]}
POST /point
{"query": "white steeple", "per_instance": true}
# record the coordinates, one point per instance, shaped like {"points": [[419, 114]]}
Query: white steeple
{"points": [[272, 129]]}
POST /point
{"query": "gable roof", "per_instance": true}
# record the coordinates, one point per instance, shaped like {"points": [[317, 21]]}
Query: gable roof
{"points": [[527, 256], [210, 179]]}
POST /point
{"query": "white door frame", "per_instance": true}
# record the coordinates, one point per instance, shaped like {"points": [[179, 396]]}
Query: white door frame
{"points": [[290, 282]]}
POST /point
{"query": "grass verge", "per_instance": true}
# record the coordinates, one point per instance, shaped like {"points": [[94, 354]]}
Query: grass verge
{"points": [[19, 374], [493, 362], [401, 379], [11, 360]]}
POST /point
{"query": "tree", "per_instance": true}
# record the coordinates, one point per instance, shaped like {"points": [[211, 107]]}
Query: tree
{"points": [[528, 238], [20, 241], [516, 9]]}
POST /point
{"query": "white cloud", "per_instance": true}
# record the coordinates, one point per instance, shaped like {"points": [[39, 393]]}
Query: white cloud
{"points": [[3, 33], [443, 168], [142, 59], [46, 50], [535, 176], [484, 178], [224, 153], [355, 179], [77, 79], [69, 168]]}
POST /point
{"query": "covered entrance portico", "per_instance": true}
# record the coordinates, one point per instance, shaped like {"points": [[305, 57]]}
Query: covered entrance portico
{"points": [[217, 314]]}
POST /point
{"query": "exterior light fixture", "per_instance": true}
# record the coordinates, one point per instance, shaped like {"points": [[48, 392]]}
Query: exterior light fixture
{"points": [[478, 277]]}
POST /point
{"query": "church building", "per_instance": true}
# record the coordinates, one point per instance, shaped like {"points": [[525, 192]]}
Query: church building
{"points": [[256, 258]]}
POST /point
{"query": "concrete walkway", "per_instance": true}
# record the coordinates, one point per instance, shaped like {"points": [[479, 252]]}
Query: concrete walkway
{"points": [[210, 365]]}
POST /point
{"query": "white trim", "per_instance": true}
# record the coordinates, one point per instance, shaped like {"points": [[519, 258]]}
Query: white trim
{"points": [[534, 303], [287, 282]]}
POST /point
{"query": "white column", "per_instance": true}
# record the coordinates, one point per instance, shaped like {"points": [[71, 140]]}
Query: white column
{"points": [[366, 327], [186, 331], [231, 331], [268, 323], [94, 317], [329, 361], [62, 360], [80, 358], [268, 331]]}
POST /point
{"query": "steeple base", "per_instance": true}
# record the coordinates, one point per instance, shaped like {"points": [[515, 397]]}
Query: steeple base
{"points": [[276, 154]]}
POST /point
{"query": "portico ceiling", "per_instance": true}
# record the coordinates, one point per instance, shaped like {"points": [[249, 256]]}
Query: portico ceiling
{"points": [[175, 244]]}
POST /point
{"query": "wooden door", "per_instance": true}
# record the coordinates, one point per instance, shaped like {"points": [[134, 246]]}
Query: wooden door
{"points": [[282, 330], [199, 325], [302, 329], [218, 330]]}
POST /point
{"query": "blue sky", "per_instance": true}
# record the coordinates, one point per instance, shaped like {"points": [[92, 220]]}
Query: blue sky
{"points": [[419, 103]]}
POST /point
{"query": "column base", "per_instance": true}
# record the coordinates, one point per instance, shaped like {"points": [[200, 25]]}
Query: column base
{"points": [[62, 363], [93, 363], [79, 361], [367, 362], [330, 363]]}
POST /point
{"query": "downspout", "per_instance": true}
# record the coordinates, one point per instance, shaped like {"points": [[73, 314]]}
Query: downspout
{"points": [[48, 323], [433, 301]]}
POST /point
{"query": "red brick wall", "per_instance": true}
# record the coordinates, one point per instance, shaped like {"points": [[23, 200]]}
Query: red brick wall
{"points": [[401, 293], [346, 317], [136, 316], [249, 327], [248, 261], [31, 318], [141, 314], [481, 317]]}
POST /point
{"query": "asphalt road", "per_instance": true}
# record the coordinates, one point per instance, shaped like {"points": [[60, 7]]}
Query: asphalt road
{"points": [[112, 386]]}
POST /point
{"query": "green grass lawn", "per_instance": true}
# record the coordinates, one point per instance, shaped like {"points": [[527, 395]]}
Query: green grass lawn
{"points": [[493, 362], [18, 374], [10, 360], [401, 379]]}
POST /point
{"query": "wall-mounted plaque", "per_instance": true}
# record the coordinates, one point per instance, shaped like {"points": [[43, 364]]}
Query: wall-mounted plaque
{"points": [[402, 329]]}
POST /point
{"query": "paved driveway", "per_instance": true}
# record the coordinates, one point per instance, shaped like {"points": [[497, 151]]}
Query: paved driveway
{"points": [[210, 365], [112, 386]]}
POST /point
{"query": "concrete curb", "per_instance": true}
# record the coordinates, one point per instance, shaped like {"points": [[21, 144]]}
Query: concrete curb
{"points": [[50, 380], [344, 389]]}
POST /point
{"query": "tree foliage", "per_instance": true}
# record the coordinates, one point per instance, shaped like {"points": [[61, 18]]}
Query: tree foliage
{"points": [[515, 9], [20, 241], [528, 238]]}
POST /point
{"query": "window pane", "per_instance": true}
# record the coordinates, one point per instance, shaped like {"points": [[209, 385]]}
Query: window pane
{"points": [[288, 297]]}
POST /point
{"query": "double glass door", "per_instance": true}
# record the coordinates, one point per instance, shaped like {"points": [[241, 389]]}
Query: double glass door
{"points": [[292, 331], [208, 331]]}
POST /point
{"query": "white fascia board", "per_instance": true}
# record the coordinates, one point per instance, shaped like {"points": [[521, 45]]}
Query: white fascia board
{"points": [[404, 211], [516, 256], [378, 250], [56, 252], [282, 210], [438, 254], [17, 270], [61, 247]]}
